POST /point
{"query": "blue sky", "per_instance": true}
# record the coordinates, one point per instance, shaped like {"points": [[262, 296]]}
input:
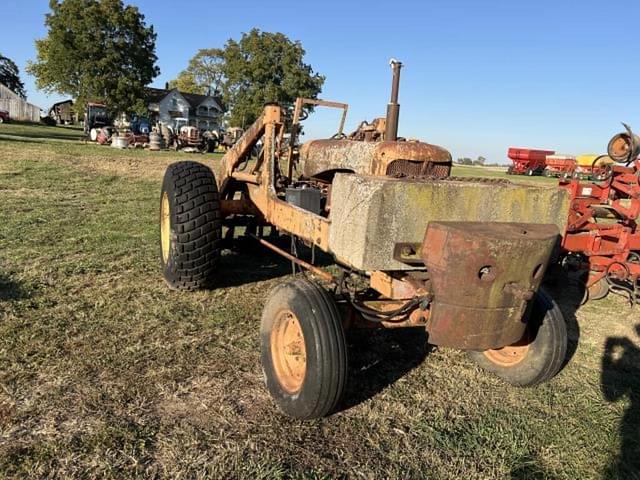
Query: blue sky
{"points": [[479, 76]]}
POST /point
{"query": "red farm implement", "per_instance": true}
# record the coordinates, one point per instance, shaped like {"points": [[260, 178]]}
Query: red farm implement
{"points": [[527, 161], [602, 235], [559, 166]]}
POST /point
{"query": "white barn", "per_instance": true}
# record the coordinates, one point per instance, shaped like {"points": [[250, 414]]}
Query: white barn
{"points": [[18, 108]]}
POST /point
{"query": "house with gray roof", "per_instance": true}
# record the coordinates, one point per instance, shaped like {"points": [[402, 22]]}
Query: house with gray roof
{"points": [[175, 108]]}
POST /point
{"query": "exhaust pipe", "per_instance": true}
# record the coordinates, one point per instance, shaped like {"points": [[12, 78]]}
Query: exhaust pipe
{"points": [[393, 108]]}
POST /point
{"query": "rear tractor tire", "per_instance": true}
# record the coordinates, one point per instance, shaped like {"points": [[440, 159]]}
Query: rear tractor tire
{"points": [[190, 226], [303, 349], [539, 355]]}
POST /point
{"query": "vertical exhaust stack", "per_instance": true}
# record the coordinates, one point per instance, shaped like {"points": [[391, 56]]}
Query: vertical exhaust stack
{"points": [[393, 108]]}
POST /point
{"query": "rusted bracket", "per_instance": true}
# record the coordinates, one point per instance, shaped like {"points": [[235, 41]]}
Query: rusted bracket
{"points": [[408, 253]]}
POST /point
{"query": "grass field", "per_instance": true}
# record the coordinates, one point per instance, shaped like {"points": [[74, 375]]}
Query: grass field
{"points": [[105, 373]]}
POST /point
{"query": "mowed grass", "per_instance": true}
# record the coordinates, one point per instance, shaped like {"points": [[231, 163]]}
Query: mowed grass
{"points": [[105, 373], [40, 133]]}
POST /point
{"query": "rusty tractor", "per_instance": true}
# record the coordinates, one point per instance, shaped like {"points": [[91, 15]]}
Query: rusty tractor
{"points": [[602, 237], [413, 247]]}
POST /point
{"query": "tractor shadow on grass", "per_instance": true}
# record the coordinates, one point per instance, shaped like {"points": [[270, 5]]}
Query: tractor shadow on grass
{"points": [[246, 261], [11, 289], [620, 378], [380, 357]]}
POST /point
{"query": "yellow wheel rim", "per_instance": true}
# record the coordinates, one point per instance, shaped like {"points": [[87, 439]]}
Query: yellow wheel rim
{"points": [[288, 352], [165, 227]]}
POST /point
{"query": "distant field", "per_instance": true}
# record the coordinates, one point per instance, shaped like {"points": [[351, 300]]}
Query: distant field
{"points": [[106, 373], [496, 172]]}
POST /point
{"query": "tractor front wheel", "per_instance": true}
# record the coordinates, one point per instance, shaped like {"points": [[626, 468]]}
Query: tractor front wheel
{"points": [[303, 349], [539, 355], [190, 226]]}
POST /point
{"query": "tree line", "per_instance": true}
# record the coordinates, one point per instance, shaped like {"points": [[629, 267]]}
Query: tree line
{"points": [[467, 161]]}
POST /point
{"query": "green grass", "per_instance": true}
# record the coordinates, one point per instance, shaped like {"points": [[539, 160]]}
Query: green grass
{"points": [[34, 132], [497, 172], [106, 373]]}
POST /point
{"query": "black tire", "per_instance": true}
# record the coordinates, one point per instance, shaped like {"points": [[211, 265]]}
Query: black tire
{"points": [[546, 339], [317, 392], [190, 249], [530, 172]]}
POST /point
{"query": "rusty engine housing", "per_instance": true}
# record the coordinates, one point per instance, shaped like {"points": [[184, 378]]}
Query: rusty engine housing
{"points": [[319, 158]]}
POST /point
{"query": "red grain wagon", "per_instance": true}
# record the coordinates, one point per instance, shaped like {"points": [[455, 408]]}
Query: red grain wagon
{"points": [[559, 166], [527, 161]]}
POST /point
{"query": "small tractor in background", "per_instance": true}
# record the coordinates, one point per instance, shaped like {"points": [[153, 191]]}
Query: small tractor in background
{"points": [[461, 258], [191, 139], [95, 117], [229, 137], [527, 161]]}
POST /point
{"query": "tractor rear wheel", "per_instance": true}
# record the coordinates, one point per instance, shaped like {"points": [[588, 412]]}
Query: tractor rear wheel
{"points": [[303, 349], [190, 226], [539, 355]]}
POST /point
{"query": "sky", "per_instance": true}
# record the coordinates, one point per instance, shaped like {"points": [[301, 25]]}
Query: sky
{"points": [[478, 76]]}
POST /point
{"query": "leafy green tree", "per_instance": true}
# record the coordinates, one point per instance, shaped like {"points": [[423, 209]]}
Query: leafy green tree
{"points": [[261, 67], [264, 67], [186, 82], [206, 68], [204, 73], [96, 50], [10, 76]]}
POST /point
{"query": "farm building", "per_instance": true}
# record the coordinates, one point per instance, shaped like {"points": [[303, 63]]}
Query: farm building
{"points": [[63, 112], [18, 108], [171, 107]]}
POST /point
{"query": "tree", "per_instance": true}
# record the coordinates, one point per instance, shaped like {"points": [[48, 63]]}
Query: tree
{"points": [[96, 50], [204, 73], [265, 67], [10, 76], [480, 160], [186, 82], [261, 67]]}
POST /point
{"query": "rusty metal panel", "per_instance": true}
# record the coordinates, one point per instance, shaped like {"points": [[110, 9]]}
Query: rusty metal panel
{"points": [[482, 277], [371, 158]]}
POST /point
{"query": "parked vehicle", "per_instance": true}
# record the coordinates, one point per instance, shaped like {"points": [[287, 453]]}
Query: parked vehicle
{"points": [[559, 166], [4, 116], [95, 117], [527, 161], [412, 249]]}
